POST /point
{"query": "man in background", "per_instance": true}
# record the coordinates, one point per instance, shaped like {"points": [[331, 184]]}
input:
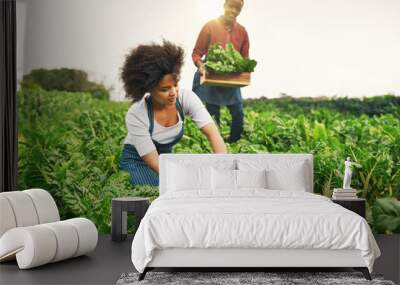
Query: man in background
{"points": [[222, 30]]}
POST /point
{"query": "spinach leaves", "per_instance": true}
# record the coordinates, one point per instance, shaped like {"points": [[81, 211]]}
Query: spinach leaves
{"points": [[220, 60]]}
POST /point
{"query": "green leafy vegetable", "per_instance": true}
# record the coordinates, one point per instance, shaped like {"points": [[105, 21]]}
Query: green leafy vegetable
{"points": [[70, 144], [386, 215], [219, 60]]}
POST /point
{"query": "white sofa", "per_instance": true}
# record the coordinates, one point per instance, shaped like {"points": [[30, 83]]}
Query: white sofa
{"points": [[31, 231]]}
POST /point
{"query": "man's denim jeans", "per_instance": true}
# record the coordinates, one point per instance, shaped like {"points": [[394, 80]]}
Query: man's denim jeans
{"points": [[236, 111]]}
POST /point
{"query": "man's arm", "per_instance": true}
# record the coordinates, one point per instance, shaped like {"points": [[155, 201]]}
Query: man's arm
{"points": [[244, 50], [201, 48]]}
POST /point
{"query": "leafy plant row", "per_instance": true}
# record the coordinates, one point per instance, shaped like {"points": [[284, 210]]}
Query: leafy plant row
{"points": [[70, 144]]}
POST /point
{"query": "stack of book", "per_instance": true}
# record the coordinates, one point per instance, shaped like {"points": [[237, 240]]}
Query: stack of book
{"points": [[344, 194]]}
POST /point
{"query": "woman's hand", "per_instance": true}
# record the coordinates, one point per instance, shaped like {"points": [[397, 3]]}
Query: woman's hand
{"points": [[151, 159], [217, 143]]}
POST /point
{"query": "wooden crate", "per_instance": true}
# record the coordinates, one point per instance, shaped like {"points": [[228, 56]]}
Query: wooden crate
{"points": [[226, 80]]}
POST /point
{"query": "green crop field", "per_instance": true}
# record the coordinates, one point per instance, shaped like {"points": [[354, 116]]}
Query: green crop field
{"points": [[70, 144]]}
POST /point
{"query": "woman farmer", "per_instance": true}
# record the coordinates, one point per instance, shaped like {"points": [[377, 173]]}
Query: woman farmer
{"points": [[155, 120]]}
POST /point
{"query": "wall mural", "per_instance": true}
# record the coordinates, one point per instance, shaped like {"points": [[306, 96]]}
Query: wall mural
{"points": [[85, 148]]}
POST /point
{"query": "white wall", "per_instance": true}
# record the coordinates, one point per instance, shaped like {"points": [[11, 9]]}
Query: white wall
{"points": [[303, 47]]}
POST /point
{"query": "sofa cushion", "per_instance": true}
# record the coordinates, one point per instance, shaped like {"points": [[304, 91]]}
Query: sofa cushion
{"points": [[26, 208], [33, 244], [40, 244], [7, 215], [45, 205]]}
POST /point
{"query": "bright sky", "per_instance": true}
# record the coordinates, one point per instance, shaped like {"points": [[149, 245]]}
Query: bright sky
{"points": [[303, 47]]}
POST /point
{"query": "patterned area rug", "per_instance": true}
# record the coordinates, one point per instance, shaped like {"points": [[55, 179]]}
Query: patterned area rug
{"points": [[242, 278]]}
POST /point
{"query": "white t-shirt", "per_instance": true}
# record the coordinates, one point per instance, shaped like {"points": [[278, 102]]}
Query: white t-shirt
{"points": [[137, 122]]}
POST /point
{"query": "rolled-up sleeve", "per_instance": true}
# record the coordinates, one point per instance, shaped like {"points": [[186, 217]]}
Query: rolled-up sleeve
{"points": [[138, 134], [193, 106], [245, 45], [202, 43]]}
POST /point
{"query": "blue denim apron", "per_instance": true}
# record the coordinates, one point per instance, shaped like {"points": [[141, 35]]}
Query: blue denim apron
{"points": [[216, 95], [140, 172]]}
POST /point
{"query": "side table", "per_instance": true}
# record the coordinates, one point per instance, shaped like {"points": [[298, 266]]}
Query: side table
{"points": [[119, 213], [355, 205]]}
